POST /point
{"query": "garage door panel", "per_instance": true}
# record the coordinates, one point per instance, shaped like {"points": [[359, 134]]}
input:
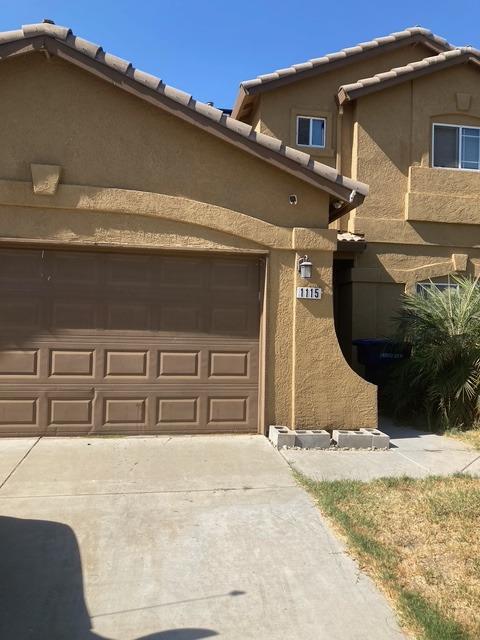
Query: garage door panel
{"points": [[228, 410], [184, 274], [133, 364], [71, 362], [133, 344], [179, 318], [128, 270], [124, 410], [128, 316], [231, 274], [65, 269], [20, 312], [21, 411], [178, 410], [21, 267], [228, 364], [70, 412], [74, 314], [18, 362], [68, 362], [229, 320], [174, 364]]}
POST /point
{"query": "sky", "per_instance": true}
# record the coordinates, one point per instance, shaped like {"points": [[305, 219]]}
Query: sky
{"points": [[207, 47]]}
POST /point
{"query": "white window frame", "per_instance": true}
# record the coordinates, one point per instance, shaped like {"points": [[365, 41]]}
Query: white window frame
{"points": [[455, 126], [315, 146]]}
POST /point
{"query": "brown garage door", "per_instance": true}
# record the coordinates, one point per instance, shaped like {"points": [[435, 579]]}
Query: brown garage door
{"points": [[97, 342]]}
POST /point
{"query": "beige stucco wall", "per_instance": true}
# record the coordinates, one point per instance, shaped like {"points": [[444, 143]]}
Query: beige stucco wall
{"points": [[417, 217], [75, 120], [419, 222], [134, 177], [385, 271], [276, 109], [394, 132]]}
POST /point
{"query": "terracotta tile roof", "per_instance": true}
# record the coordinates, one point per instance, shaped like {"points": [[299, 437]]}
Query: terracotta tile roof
{"points": [[438, 42], [351, 192], [394, 76]]}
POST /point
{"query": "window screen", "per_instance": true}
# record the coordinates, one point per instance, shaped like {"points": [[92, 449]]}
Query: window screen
{"points": [[318, 133], [445, 146], [303, 131], [310, 131], [470, 148]]}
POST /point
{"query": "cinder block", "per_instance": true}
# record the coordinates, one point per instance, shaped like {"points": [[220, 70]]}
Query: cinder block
{"points": [[281, 436], [312, 438], [352, 439], [380, 440]]}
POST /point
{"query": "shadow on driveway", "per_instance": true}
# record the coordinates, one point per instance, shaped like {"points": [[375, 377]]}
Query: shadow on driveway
{"points": [[41, 586]]}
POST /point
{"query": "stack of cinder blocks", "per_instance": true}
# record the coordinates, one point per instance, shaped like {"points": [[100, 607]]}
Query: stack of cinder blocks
{"points": [[305, 438], [321, 439], [361, 439]]}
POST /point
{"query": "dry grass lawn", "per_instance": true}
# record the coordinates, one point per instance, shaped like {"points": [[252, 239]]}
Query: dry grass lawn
{"points": [[420, 539], [471, 437]]}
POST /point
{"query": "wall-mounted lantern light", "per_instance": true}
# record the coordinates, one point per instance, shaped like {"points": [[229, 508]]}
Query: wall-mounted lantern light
{"points": [[305, 267]]}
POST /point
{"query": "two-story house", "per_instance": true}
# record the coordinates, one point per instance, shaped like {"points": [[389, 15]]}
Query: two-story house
{"points": [[149, 258], [401, 113]]}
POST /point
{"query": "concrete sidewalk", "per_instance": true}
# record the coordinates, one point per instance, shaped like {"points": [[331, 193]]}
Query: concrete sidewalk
{"points": [[172, 539], [413, 453]]}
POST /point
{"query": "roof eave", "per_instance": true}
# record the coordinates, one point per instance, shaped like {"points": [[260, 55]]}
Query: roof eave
{"points": [[336, 212], [246, 92], [242, 101], [348, 95]]}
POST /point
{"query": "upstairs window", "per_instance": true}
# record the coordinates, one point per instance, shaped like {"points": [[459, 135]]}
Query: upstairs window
{"points": [[456, 147], [311, 132]]}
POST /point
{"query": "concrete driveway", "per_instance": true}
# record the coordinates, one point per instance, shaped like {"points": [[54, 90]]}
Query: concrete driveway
{"points": [[171, 539]]}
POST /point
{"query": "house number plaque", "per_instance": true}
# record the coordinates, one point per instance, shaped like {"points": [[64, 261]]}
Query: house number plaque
{"points": [[309, 293]]}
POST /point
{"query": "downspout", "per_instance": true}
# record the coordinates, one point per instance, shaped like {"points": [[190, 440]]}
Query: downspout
{"points": [[338, 154], [338, 157]]}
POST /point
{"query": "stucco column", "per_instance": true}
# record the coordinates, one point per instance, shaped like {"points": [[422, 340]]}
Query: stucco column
{"points": [[326, 392]]}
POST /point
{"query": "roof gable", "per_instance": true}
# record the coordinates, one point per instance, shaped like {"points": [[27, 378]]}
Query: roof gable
{"points": [[410, 71], [60, 41], [328, 62]]}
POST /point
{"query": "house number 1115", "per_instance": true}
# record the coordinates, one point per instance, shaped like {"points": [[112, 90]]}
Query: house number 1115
{"points": [[309, 293]]}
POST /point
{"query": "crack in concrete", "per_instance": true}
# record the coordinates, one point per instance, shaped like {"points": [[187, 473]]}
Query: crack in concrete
{"points": [[20, 462], [234, 592], [137, 493], [414, 461], [469, 464]]}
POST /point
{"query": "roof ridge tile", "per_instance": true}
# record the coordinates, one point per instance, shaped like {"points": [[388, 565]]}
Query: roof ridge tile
{"points": [[10, 36], [46, 28]]}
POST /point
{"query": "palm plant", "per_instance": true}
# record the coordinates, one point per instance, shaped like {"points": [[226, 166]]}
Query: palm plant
{"points": [[442, 377]]}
